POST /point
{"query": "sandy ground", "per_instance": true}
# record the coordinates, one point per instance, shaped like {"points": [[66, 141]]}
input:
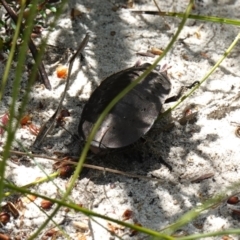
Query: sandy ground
{"points": [[207, 145]]}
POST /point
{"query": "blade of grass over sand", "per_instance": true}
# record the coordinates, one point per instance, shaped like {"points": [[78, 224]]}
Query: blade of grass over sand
{"points": [[89, 213], [157, 235], [211, 71], [2, 89], [194, 213], [16, 84], [47, 126], [212, 234], [214, 19], [12, 51], [31, 45]]}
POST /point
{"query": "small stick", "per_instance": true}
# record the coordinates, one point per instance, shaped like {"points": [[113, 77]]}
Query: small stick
{"points": [[46, 128], [146, 12], [31, 46], [90, 166], [202, 177], [146, 54]]}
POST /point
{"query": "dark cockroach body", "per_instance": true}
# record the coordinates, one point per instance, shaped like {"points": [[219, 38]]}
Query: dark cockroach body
{"points": [[133, 115]]}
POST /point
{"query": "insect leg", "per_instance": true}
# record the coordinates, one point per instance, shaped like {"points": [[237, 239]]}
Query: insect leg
{"points": [[180, 92]]}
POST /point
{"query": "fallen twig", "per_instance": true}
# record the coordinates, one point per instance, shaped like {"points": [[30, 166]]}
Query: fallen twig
{"points": [[66, 160]]}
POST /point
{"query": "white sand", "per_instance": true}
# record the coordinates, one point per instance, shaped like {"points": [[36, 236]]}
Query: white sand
{"points": [[207, 146]]}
